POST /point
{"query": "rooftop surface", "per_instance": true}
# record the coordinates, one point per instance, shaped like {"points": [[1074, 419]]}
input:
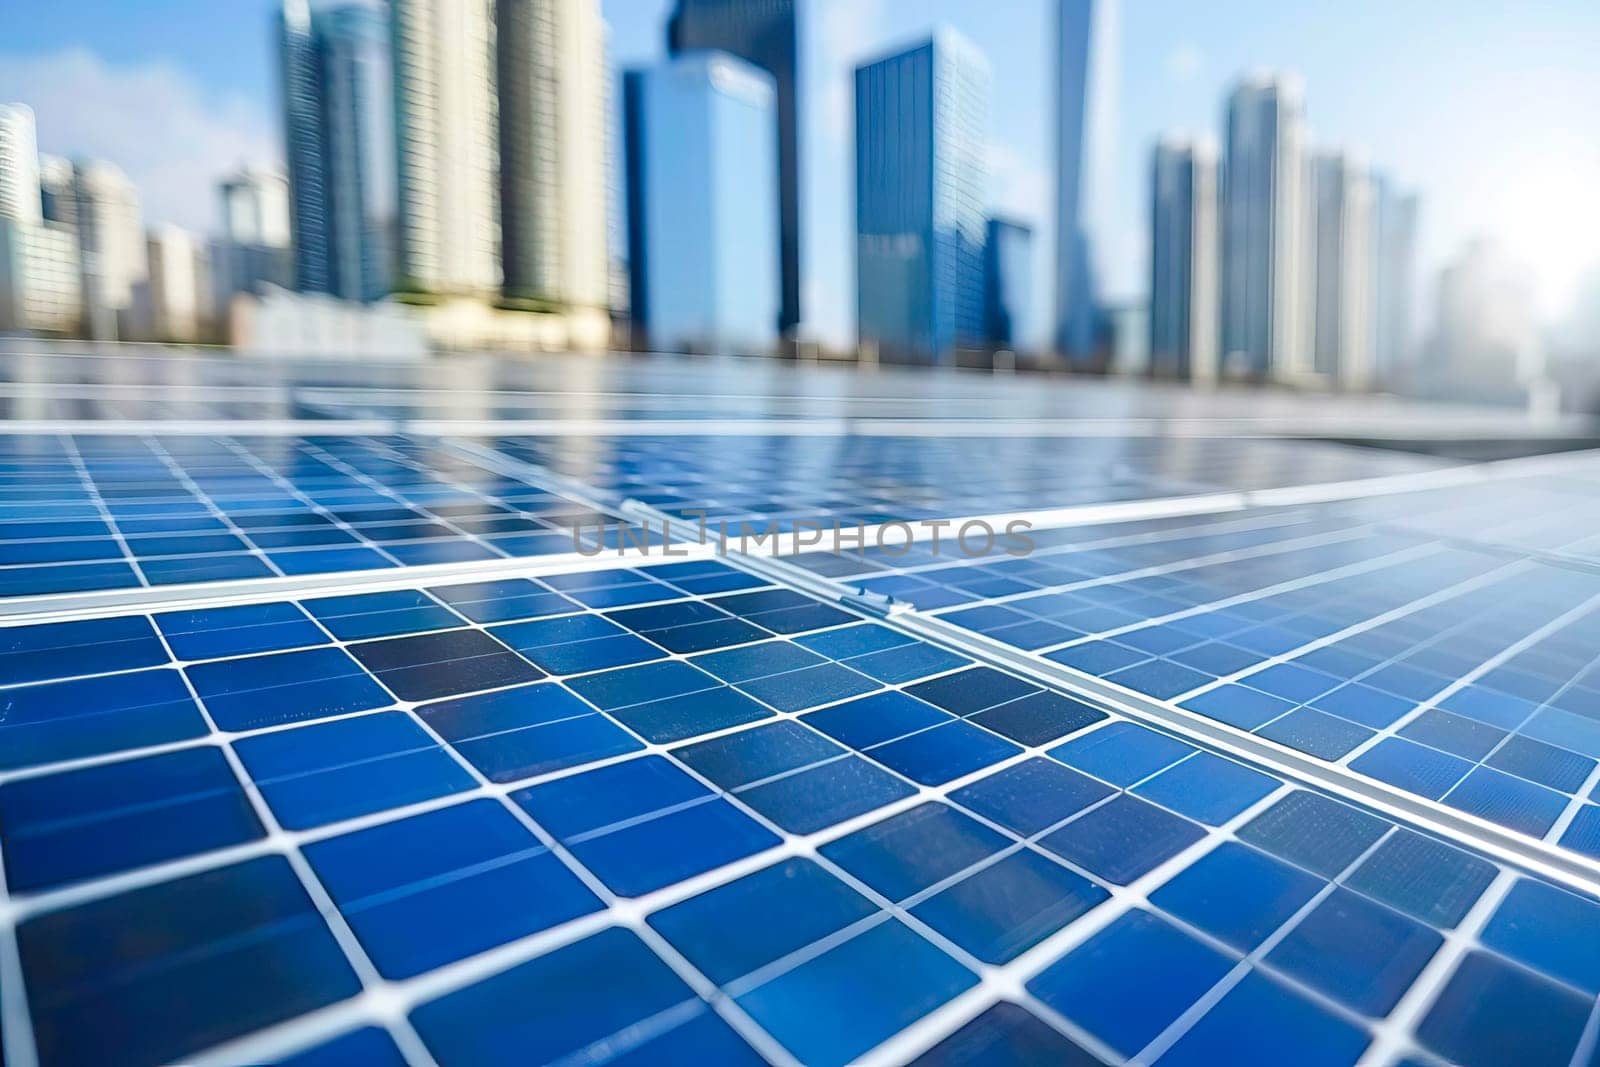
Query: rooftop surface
{"points": [[584, 710]]}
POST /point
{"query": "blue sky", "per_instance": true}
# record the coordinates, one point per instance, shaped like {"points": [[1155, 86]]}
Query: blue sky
{"points": [[1487, 108]]}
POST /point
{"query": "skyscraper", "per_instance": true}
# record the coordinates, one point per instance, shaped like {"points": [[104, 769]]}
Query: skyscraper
{"points": [[1085, 108], [765, 33], [1394, 280], [55, 189], [1183, 260], [1342, 284], [1007, 281], [111, 247], [19, 165], [921, 141], [703, 204], [176, 298], [552, 84], [446, 145], [337, 116], [255, 207], [1263, 222]]}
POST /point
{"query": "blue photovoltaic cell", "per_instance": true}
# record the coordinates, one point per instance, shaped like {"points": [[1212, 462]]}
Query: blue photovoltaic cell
{"points": [[811, 815]]}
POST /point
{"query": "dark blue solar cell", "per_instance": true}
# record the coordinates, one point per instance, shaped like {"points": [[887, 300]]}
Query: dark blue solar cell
{"points": [[1007, 907], [180, 569], [218, 955], [424, 891], [588, 995], [1551, 930], [1583, 835], [943, 753], [14, 552], [66, 649], [518, 733], [749, 923], [1131, 980], [858, 640], [1360, 953], [828, 793], [338, 770], [1482, 1018], [326, 560], [808, 687], [971, 691], [906, 662], [1122, 753], [906, 853], [1161, 679], [284, 687], [1259, 1023], [1508, 800], [1314, 832], [643, 824], [703, 636], [1038, 718], [238, 631], [1005, 1033], [1365, 705], [875, 719], [54, 578], [681, 717], [635, 685], [1031, 796], [736, 760], [366, 615], [426, 552], [1325, 736], [870, 987], [184, 545], [1542, 763], [1423, 877], [429, 666], [1122, 839], [1207, 788], [757, 661], [114, 817], [1237, 894], [504, 600], [89, 716], [366, 1047], [1412, 767]]}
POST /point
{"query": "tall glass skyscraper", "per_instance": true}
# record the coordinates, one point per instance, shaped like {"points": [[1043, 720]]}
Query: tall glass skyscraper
{"points": [[1007, 281], [551, 76], [1183, 260], [921, 141], [1264, 330], [1342, 283], [339, 124], [765, 33], [1394, 268], [702, 204], [1085, 110]]}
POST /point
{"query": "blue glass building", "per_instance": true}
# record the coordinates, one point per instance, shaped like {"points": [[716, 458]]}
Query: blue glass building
{"points": [[921, 137], [702, 159], [339, 126], [1007, 281]]}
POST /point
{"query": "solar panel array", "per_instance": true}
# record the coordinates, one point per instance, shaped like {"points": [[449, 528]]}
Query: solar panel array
{"points": [[412, 801]]}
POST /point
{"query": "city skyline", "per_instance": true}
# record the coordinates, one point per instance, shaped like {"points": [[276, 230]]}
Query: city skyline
{"points": [[1532, 78]]}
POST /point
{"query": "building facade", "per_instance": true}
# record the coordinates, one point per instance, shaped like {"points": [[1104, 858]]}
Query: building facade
{"points": [[446, 146], [702, 167], [921, 141], [1085, 109], [111, 245], [41, 280], [1184, 261], [767, 34], [255, 207], [1394, 272], [19, 165], [1007, 282], [339, 125], [1264, 288], [175, 301], [1342, 281], [551, 73]]}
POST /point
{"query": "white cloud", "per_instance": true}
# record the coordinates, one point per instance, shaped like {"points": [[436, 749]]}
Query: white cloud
{"points": [[1018, 187], [1184, 62], [848, 31], [150, 119]]}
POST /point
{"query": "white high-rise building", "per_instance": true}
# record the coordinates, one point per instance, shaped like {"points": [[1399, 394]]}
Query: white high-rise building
{"points": [[111, 243], [19, 165], [40, 280], [175, 301], [1184, 260], [446, 145], [1264, 219], [55, 189], [255, 207], [1085, 126], [551, 76], [1342, 284]]}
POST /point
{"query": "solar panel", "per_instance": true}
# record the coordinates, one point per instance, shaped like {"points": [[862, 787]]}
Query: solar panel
{"points": [[338, 747]]}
